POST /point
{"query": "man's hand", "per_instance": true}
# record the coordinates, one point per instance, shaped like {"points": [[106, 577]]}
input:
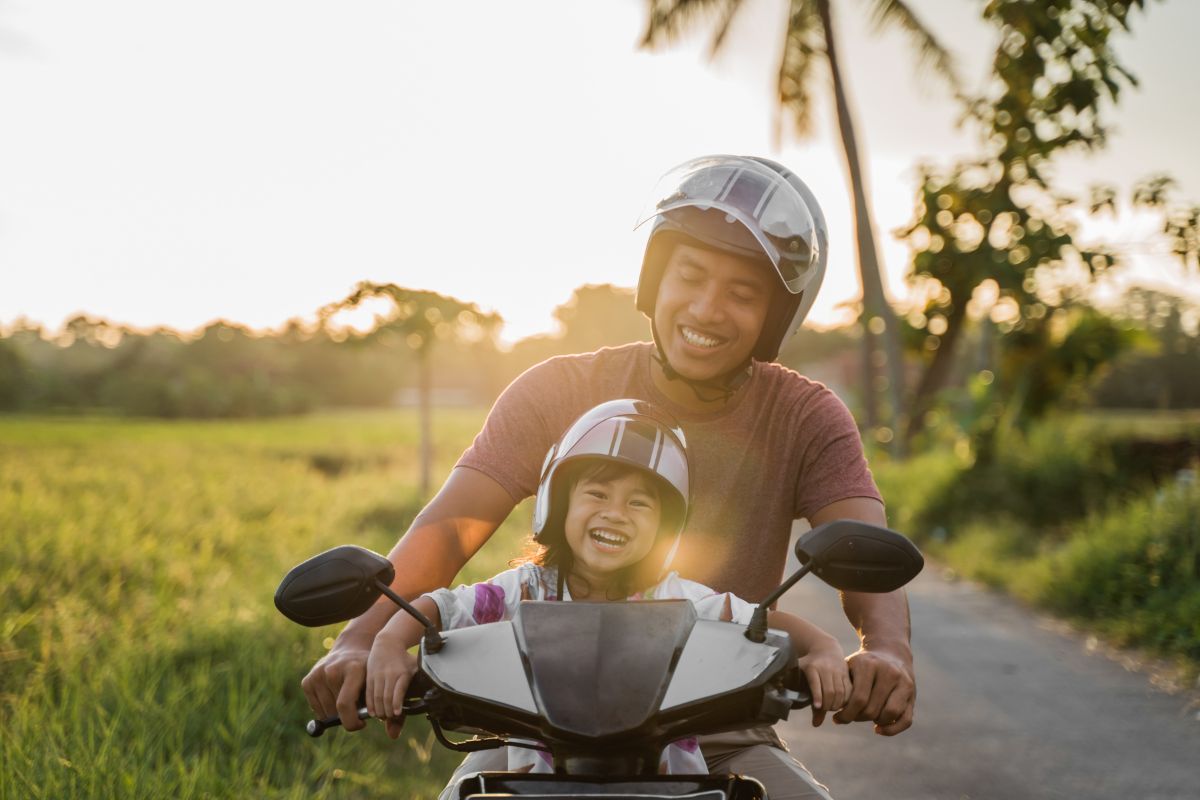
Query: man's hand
{"points": [[883, 691], [335, 683], [881, 672]]}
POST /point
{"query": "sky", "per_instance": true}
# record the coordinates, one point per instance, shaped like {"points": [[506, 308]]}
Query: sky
{"points": [[176, 163]]}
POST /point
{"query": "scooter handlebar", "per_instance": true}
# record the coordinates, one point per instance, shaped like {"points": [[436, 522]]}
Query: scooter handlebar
{"points": [[414, 704], [797, 686]]}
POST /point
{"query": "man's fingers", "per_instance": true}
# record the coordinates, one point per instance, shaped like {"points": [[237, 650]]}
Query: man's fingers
{"points": [[896, 714], [347, 699], [862, 682], [903, 723], [818, 716], [882, 691], [873, 711], [321, 698]]}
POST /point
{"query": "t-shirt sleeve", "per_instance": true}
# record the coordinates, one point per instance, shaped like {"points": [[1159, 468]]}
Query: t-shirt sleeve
{"points": [[479, 603], [833, 466], [517, 433]]}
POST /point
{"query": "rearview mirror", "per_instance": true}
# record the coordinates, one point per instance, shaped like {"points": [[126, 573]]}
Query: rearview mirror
{"points": [[335, 586], [858, 557]]}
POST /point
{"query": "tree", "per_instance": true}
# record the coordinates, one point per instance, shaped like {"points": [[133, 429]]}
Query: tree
{"points": [[997, 219], [14, 372], [418, 319], [810, 40]]}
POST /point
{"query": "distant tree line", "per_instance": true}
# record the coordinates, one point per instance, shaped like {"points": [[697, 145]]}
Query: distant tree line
{"points": [[229, 370], [1147, 355]]}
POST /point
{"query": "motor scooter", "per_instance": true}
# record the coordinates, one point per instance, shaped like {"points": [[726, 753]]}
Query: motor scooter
{"points": [[601, 687]]}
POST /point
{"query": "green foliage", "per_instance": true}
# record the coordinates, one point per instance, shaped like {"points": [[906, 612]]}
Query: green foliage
{"points": [[1055, 474], [595, 316], [1165, 372], [13, 376], [995, 222], [140, 652], [1094, 518], [1135, 573], [417, 317], [227, 370], [1049, 367]]}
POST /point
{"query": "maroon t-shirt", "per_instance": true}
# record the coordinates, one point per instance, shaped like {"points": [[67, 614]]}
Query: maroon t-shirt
{"points": [[781, 449]]}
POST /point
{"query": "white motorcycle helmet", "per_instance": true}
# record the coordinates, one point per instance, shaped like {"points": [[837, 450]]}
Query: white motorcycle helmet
{"points": [[634, 433], [750, 207]]}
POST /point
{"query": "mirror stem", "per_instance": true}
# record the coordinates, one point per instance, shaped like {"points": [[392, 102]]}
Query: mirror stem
{"points": [[757, 631], [433, 637]]}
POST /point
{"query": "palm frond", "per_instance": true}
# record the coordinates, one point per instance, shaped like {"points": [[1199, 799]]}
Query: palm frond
{"points": [[803, 47], [930, 53], [727, 15], [666, 19]]}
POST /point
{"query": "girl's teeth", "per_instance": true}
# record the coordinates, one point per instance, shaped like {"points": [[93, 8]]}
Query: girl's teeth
{"points": [[697, 339], [605, 537]]}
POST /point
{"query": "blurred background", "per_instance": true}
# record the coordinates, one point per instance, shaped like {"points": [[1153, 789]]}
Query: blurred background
{"points": [[264, 267]]}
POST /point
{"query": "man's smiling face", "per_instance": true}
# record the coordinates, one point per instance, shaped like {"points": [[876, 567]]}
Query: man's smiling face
{"points": [[709, 310]]}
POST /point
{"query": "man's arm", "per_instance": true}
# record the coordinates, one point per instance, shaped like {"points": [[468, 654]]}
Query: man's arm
{"points": [[447, 532], [882, 669]]}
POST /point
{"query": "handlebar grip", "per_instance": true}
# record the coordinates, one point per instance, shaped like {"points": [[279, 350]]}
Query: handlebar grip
{"points": [[316, 727], [414, 704], [797, 684]]}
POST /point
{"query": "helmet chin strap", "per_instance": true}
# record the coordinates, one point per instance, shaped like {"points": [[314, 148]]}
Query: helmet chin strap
{"points": [[711, 390]]}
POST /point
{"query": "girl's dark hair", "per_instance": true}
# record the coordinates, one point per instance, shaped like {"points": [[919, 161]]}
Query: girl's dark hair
{"points": [[552, 550]]}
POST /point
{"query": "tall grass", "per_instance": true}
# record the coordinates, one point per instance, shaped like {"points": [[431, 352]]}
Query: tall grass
{"points": [[140, 652]]}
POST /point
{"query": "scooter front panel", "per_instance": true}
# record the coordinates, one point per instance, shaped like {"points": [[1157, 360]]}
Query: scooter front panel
{"points": [[718, 659], [482, 661]]}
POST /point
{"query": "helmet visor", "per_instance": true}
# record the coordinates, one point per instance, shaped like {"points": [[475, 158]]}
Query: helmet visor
{"points": [[751, 194]]}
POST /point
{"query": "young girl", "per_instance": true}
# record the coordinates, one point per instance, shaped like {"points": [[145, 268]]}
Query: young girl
{"points": [[610, 507]]}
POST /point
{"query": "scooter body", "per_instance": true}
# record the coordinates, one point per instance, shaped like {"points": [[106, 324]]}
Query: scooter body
{"points": [[602, 687]]}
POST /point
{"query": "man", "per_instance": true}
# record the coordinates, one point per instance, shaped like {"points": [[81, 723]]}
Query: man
{"points": [[732, 265]]}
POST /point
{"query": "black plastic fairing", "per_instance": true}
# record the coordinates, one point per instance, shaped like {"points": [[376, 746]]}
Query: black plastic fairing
{"points": [[333, 586], [694, 787], [859, 557], [583, 655]]}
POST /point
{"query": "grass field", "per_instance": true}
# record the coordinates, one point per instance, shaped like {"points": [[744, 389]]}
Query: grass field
{"points": [[140, 652], [141, 655]]}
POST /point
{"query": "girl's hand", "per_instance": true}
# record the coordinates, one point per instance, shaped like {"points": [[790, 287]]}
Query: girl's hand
{"points": [[828, 678], [390, 669]]}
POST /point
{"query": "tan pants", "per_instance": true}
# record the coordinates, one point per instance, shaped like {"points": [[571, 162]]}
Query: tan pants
{"points": [[757, 753]]}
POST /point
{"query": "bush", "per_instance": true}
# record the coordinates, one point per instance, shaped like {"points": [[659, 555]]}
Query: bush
{"points": [[1059, 473], [1134, 573]]}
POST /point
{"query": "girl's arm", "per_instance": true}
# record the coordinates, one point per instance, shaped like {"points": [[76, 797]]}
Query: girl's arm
{"points": [[820, 659], [390, 667]]}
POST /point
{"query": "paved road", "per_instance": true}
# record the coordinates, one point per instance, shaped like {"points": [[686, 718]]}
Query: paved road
{"points": [[1009, 707]]}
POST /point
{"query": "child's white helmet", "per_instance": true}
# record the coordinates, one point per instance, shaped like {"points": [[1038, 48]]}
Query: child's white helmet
{"points": [[630, 432]]}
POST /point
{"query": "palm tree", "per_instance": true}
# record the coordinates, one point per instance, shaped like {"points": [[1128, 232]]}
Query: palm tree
{"points": [[809, 39]]}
